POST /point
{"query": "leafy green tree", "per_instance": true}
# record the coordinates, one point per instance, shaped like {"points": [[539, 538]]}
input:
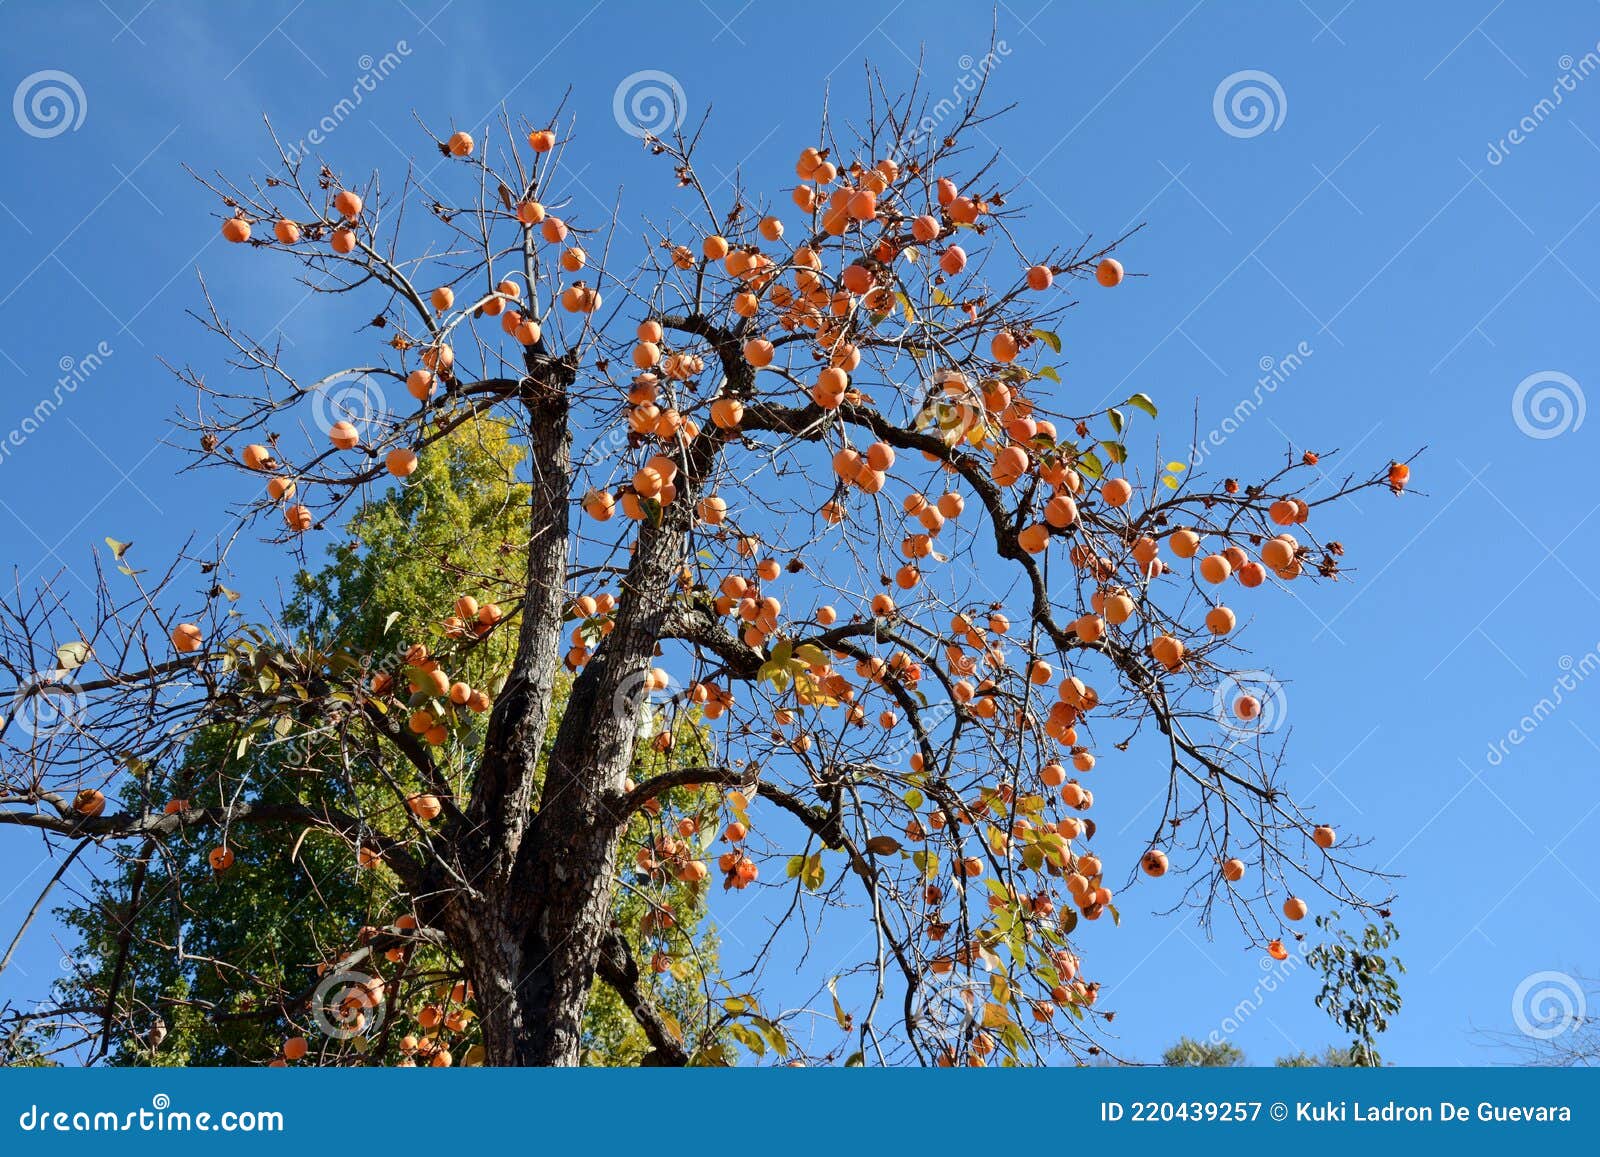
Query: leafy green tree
{"points": [[1360, 985], [1332, 1057], [1186, 1052]]}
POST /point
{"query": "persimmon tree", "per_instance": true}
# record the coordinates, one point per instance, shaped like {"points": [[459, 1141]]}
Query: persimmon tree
{"points": [[808, 476]]}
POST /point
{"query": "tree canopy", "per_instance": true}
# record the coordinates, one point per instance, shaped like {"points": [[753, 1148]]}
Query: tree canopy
{"points": [[777, 549]]}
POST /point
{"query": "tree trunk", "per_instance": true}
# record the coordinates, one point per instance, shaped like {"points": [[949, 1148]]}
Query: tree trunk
{"points": [[534, 956]]}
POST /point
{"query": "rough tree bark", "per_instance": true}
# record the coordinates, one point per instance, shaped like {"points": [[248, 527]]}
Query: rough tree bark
{"points": [[533, 931]]}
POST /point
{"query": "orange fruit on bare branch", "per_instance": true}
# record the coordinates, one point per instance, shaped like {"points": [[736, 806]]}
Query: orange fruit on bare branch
{"points": [[187, 638]]}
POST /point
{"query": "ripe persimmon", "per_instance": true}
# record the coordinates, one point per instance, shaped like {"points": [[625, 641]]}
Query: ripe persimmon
{"points": [[401, 462], [425, 806], [89, 802]]}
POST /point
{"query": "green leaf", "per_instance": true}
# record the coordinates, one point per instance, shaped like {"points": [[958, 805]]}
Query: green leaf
{"points": [[1115, 451], [1142, 402], [1050, 372], [1050, 338], [118, 549], [1117, 421], [749, 1038], [73, 655]]}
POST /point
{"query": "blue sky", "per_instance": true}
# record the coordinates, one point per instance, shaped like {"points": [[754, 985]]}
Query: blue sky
{"points": [[1387, 229]]}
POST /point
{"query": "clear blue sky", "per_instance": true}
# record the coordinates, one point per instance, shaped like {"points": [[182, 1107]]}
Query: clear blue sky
{"points": [[1369, 229]]}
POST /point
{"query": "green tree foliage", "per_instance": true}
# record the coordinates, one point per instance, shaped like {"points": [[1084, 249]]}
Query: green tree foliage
{"points": [[1186, 1052], [1332, 1057], [220, 963], [1360, 985]]}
